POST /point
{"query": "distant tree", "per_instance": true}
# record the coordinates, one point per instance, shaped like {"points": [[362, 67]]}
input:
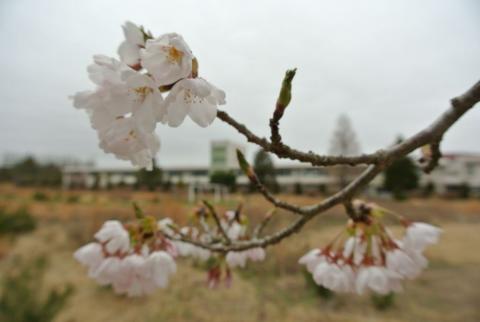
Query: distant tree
{"points": [[343, 142], [149, 179], [226, 178], [401, 176], [265, 170], [29, 172]]}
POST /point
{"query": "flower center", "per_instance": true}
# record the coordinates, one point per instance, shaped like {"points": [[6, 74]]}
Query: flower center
{"points": [[131, 136], [189, 97], [142, 92], [174, 55]]}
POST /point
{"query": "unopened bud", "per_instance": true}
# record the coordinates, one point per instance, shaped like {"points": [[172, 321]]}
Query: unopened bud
{"points": [[285, 92], [245, 166], [138, 211]]}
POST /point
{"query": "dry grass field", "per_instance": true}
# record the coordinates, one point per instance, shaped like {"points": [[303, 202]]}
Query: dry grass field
{"points": [[276, 290]]}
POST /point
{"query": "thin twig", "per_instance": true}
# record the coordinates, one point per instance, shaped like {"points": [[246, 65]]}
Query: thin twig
{"points": [[261, 226], [214, 214]]}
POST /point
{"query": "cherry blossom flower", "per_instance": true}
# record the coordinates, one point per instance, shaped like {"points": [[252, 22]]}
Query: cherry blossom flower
{"points": [[377, 278], [312, 259], [168, 58], [239, 258], [124, 109], [111, 93], [128, 141], [129, 49], [127, 104], [161, 266], [339, 278], [133, 271], [370, 258], [114, 236], [421, 235], [109, 270], [133, 278], [91, 256], [400, 262], [194, 97]]}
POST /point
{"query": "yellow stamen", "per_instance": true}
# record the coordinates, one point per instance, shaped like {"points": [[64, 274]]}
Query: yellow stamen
{"points": [[175, 55]]}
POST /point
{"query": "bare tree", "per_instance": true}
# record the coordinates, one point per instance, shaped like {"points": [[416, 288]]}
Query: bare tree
{"points": [[344, 143]]}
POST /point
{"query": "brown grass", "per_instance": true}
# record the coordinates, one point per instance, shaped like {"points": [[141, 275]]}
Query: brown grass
{"points": [[449, 290]]}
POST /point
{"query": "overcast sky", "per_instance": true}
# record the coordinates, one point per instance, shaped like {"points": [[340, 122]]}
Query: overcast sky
{"points": [[391, 66]]}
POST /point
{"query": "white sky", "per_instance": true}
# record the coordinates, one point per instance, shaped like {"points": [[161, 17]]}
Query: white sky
{"points": [[392, 66]]}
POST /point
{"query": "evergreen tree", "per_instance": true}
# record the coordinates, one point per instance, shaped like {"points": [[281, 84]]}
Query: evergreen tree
{"points": [[401, 176], [226, 178], [149, 179]]}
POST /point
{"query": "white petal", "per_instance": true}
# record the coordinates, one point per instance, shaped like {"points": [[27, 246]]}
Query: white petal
{"points": [[176, 112], [129, 53], [203, 113], [133, 34]]}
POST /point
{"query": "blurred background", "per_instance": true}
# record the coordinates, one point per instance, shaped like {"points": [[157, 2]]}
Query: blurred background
{"points": [[369, 74]]}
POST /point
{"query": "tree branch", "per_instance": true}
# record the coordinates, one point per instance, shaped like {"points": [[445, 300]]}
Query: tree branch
{"points": [[261, 226], [285, 152], [212, 211], [380, 160]]}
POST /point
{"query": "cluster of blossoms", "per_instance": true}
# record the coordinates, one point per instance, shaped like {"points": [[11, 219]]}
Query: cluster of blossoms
{"points": [[219, 265], [370, 257], [134, 260], [127, 103], [236, 229], [137, 258]]}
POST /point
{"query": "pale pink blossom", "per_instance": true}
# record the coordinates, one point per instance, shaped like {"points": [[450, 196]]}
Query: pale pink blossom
{"points": [[399, 261], [420, 235], [114, 236], [133, 278], [109, 270], [239, 258], [194, 97], [312, 259], [378, 279], [168, 58], [161, 266], [90, 255], [129, 49], [338, 278]]}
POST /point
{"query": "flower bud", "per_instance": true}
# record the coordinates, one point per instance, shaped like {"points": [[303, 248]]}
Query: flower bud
{"points": [[245, 166], [138, 211], [285, 93]]}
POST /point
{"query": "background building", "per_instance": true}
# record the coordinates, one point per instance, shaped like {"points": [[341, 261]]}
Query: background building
{"points": [[223, 155], [456, 175]]}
